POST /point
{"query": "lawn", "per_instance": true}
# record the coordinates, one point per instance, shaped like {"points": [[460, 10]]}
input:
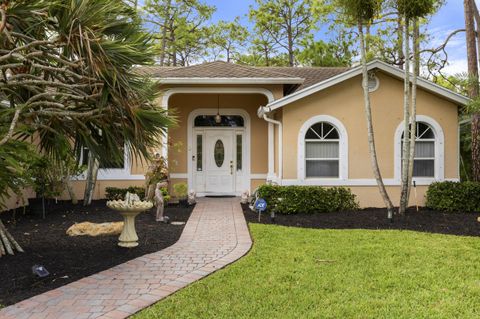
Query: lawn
{"points": [[309, 273]]}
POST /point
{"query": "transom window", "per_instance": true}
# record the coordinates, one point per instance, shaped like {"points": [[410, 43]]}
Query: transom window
{"points": [[424, 158], [226, 121], [322, 151]]}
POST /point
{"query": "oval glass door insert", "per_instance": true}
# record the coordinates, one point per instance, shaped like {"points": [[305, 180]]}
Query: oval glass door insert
{"points": [[219, 153]]}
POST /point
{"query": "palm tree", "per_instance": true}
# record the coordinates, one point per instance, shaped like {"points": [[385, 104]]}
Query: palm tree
{"points": [[360, 13], [69, 79]]}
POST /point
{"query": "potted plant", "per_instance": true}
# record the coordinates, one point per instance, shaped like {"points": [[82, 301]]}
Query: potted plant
{"points": [[181, 192]]}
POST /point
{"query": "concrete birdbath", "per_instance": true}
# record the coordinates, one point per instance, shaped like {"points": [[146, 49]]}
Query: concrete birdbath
{"points": [[129, 209]]}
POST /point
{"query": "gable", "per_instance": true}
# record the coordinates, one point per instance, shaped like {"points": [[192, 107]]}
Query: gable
{"points": [[378, 66]]}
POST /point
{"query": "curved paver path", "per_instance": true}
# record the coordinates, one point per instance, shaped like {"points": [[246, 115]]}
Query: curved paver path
{"points": [[215, 235]]}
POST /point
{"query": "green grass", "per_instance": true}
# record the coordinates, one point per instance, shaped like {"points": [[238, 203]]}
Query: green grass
{"points": [[306, 273]]}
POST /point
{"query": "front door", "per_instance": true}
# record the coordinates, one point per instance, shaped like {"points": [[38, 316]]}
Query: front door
{"points": [[219, 155]]}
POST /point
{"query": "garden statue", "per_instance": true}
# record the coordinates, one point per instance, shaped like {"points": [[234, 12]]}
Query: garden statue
{"points": [[245, 195], [160, 202], [192, 197]]}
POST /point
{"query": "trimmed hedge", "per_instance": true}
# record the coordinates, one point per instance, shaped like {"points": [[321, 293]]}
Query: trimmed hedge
{"points": [[307, 199], [115, 193], [454, 196]]}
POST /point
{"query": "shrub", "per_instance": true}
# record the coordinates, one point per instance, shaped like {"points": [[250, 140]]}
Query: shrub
{"points": [[180, 190], [307, 199], [454, 196], [115, 193]]}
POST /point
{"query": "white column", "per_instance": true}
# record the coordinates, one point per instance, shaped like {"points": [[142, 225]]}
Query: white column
{"points": [[271, 152], [164, 151]]}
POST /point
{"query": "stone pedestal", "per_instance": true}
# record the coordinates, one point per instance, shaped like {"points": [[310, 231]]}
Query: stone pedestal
{"points": [[128, 238], [129, 210]]}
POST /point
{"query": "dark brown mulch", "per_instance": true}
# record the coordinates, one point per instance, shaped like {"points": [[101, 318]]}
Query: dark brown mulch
{"points": [[373, 218], [71, 258]]}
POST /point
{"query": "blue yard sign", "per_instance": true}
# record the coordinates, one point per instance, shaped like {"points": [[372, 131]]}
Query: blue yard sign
{"points": [[260, 206]]}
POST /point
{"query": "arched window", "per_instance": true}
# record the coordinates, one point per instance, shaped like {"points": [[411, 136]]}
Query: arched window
{"points": [[322, 151], [424, 158], [429, 154]]}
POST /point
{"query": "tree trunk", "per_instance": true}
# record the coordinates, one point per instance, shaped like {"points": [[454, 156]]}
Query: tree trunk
{"points": [[92, 173], [406, 120], [413, 113], [291, 58], [416, 46], [371, 136], [401, 55], [8, 244], [71, 193], [473, 89], [164, 33]]}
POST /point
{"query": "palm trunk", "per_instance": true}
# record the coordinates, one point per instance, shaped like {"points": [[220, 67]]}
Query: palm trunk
{"points": [[406, 121], [8, 244], [371, 135], [413, 113], [473, 89], [401, 55], [92, 173], [71, 193]]}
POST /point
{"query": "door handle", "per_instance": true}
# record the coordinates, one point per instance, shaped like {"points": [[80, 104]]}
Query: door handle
{"points": [[231, 167]]}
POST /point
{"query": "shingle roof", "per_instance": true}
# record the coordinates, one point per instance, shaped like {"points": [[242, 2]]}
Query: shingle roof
{"points": [[219, 70], [312, 75]]}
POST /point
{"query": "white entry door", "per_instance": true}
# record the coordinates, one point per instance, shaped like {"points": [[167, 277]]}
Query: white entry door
{"points": [[220, 170]]}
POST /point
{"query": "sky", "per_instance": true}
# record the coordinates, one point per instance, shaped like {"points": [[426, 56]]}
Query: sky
{"points": [[449, 18]]}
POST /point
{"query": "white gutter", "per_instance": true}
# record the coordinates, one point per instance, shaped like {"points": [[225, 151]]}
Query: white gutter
{"points": [[271, 144]]}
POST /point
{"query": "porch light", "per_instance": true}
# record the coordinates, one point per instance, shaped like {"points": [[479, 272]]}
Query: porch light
{"points": [[218, 117]]}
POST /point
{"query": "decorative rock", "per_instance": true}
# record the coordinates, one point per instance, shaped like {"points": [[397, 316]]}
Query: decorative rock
{"points": [[93, 230]]}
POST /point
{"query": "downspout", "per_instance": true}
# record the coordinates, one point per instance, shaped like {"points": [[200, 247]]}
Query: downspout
{"points": [[264, 111]]}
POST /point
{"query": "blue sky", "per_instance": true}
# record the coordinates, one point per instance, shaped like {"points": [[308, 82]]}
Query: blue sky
{"points": [[449, 18]]}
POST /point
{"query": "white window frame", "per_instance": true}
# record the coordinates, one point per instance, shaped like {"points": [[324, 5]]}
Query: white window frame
{"points": [[343, 149], [439, 151], [105, 174]]}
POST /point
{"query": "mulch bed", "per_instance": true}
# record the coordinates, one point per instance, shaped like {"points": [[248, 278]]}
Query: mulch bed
{"points": [[373, 218], [71, 258]]}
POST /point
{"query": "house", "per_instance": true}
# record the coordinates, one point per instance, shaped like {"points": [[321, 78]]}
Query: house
{"points": [[240, 127]]}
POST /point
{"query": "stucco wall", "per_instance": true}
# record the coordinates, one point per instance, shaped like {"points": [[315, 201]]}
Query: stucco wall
{"points": [[183, 104], [345, 102]]}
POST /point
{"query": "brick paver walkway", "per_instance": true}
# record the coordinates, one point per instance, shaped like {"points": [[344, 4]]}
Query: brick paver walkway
{"points": [[215, 235]]}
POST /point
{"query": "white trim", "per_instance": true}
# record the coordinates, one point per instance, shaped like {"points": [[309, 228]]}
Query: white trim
{"points": [[272, 177], [247, 141], [422, 83], [215, 90], [179, 175], [343, 146], [230, 80], [114, 174], [271, 150], [357, 182], [439, 150], [259, 176]]}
